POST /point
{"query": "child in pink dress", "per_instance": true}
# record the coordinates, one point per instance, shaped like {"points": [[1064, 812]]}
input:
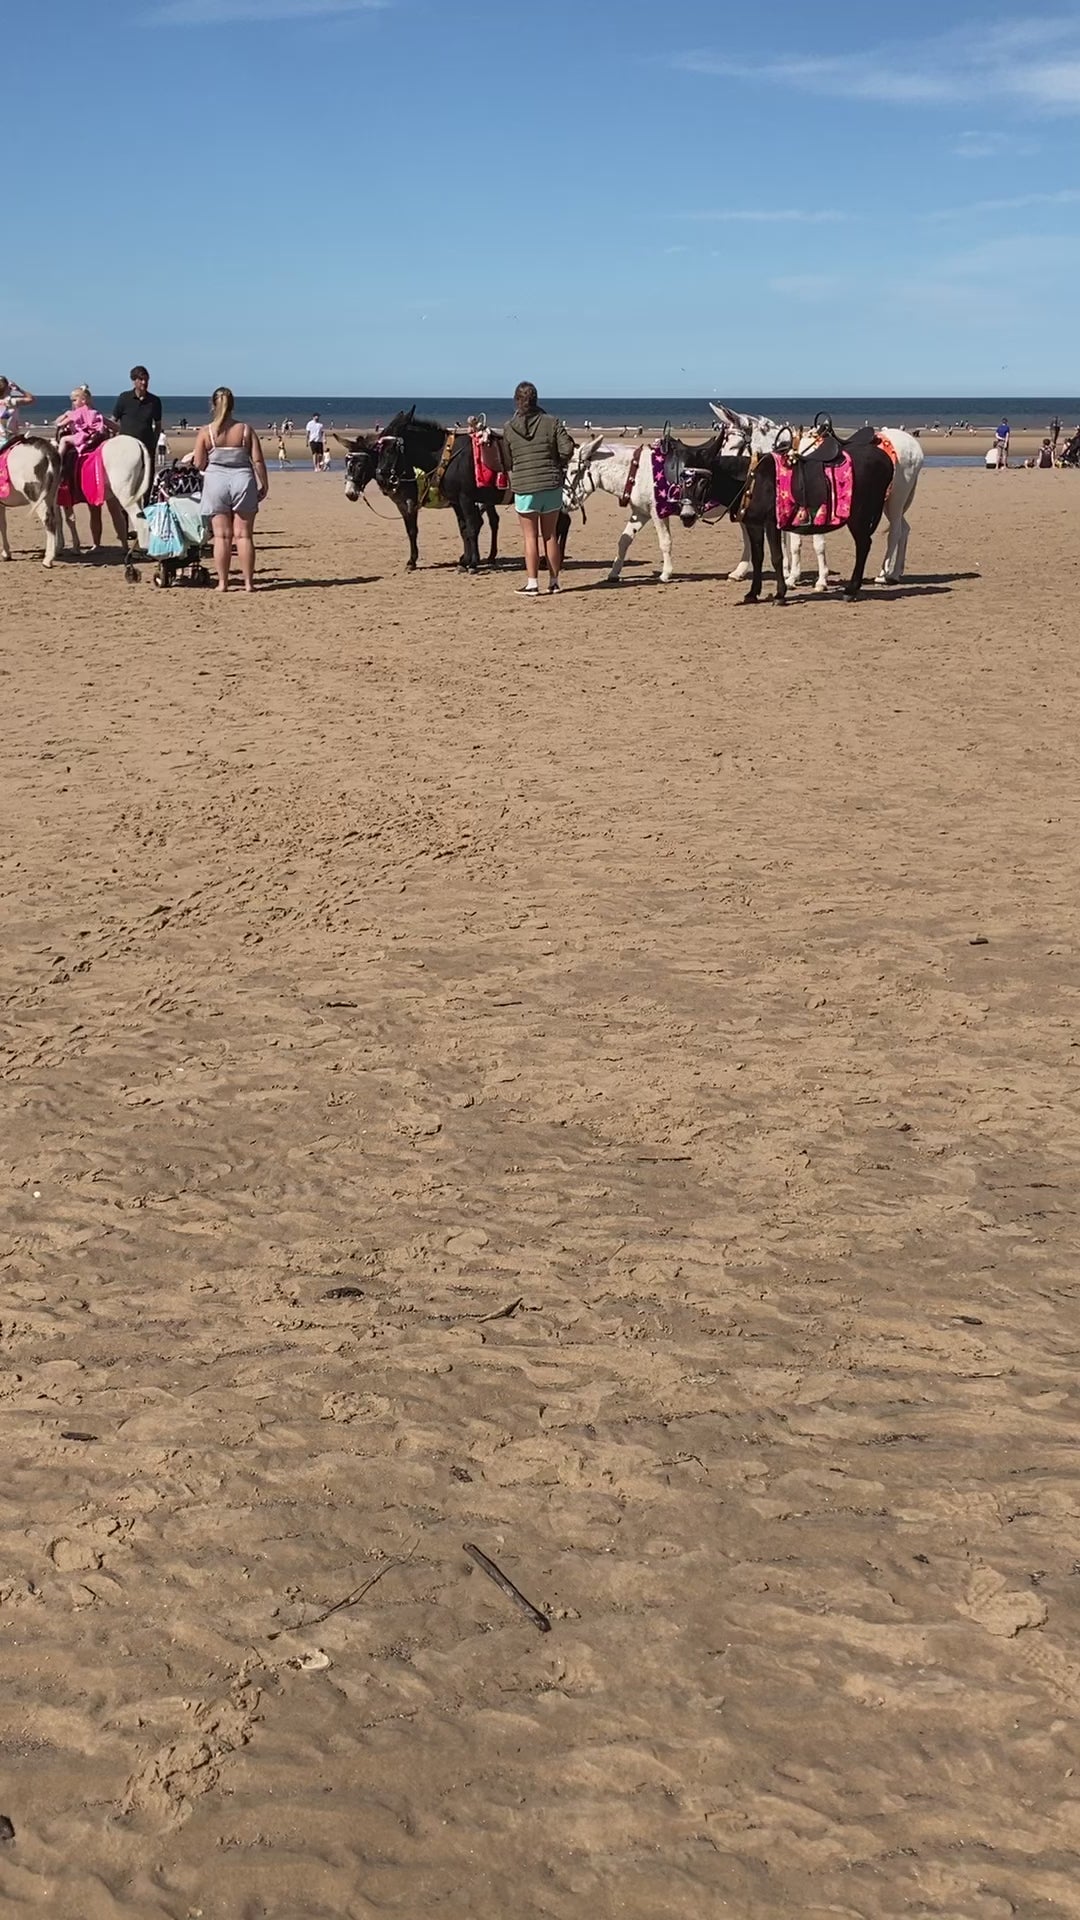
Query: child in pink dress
{"points": [[81, 427]]}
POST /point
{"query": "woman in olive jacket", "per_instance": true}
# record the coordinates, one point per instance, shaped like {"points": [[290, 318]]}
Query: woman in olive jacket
{"points": [[538, 449]]}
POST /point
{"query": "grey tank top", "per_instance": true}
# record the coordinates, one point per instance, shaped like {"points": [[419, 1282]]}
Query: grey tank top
{"points": [[228, 456]]}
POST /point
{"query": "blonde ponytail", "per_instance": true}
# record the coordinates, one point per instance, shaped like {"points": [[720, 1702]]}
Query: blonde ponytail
{"points": [[223, 401]]}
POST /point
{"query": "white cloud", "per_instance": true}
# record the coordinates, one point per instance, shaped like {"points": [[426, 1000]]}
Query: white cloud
{"points": [[1015, 203], [1033, 63], [974, 145], [772, 216], [807, 288], [217, 13]]}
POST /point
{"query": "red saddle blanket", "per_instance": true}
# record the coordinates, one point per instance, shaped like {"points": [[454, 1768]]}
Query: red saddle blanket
{"points": [[90, 485], [489, 460], [5, 478], [833, 508]]}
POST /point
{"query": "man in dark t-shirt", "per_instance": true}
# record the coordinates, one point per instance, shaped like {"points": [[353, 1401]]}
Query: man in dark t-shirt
{"points": [[138, 413]]}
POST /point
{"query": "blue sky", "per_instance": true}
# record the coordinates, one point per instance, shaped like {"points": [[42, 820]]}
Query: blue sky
{"points": [[607, 196]]}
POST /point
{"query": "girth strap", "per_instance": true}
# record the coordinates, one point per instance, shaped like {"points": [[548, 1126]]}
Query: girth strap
{"points": [[631, 478], [447, 455]]}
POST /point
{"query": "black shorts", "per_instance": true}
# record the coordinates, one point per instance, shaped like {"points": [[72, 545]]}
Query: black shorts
{"points": [[315, 446]]}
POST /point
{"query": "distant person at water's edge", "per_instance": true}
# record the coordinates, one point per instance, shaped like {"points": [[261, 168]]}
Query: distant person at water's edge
{"points": [[229, 454], [138, 413], [316, 436], [538, 450], [1001, 441]]}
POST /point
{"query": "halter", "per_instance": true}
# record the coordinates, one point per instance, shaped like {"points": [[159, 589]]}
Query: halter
{"points": [[583, 486]]}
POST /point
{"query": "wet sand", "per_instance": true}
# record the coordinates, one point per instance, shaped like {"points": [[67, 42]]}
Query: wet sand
{"points": [[596, 1080]]}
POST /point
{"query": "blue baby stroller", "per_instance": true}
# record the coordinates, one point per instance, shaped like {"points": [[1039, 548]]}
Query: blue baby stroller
{"points": [[178, 532]]}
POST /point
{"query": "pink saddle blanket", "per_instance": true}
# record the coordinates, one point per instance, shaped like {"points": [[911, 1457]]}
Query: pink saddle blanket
{"points": [[5, 478], [90, 484], [834, 511]]}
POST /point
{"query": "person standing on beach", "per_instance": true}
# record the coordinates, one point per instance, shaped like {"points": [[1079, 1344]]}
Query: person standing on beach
{"points": [[316, 436], [1001, 441], [538, 450], [1055, 432], [138, 413], [229, 454], [12, 397]]}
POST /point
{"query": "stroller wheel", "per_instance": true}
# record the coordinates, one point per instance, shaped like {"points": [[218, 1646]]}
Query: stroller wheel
{"points": [[200, 577], [162, 577]]}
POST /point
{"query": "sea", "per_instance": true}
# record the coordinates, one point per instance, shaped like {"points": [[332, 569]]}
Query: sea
{"points": [[649, 414]]}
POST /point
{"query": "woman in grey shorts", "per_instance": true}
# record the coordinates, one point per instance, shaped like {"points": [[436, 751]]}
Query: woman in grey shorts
{"points": [[230, 458]]}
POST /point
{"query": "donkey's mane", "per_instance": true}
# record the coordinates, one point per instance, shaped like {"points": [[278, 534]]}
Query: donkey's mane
{"points": [[403, 420]]}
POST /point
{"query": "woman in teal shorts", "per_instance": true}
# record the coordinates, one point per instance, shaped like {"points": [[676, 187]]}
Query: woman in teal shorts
{"points": [[538, 449]]}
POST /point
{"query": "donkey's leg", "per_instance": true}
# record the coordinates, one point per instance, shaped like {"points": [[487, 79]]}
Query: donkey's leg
{"points": [[776, 555], [5, 550], [474, 520], [632, 527], [821, 584], [66, 516], [792, 559], [755, 533], [663, 534], [892, 567], [746, 565], [410, 515], [121, 524], [493, 522], [49, 514], [862, 532]]}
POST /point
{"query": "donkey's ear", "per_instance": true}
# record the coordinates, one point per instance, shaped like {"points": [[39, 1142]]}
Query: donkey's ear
{"points": [[411, 415], [592, 449], [729, 418]]}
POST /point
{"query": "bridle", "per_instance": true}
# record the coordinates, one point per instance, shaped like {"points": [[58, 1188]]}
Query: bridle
{"points": [[370, 453]]}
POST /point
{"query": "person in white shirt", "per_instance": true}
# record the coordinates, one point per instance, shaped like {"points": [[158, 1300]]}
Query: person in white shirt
{"points": [[316, 436]]}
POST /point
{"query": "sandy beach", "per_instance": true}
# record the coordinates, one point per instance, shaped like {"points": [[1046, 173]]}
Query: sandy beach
{"points": [[595, 1080]]}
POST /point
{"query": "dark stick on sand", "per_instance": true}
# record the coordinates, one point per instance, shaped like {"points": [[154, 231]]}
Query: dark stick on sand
{"points": [[495, 1573]]}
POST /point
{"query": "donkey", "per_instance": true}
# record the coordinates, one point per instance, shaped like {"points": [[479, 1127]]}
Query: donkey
{"points": [[408, 446], [747, 485], [127, 475], [627, 472], [33, 474], [363, 464], [760, 435]]}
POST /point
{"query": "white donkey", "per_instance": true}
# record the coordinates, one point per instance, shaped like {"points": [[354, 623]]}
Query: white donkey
{"points": [[627, 472], [34, 476], [759, 434], [127, 476]]}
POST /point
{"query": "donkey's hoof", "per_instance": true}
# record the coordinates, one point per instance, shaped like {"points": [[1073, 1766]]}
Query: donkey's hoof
{"points": [[750, 600]]}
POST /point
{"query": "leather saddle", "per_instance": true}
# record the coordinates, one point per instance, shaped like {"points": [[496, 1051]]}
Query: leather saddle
{"points": [[812, 487]]}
